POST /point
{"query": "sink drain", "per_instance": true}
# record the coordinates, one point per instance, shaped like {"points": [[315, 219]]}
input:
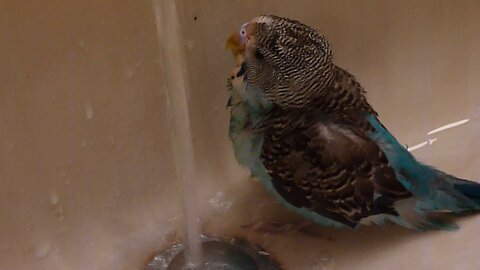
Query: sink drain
{"points": [[218, 254]]}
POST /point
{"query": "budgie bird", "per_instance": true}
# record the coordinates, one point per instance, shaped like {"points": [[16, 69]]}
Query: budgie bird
{"points": [[304, 128]]}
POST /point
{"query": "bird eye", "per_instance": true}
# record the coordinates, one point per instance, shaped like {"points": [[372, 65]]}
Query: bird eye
{"points": [[258, 54], [243, 34]]}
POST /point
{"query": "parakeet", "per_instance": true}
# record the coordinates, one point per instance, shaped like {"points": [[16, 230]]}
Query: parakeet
{"points": [[304, 128]]}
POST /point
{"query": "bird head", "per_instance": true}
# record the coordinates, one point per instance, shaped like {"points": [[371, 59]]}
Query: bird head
{"points": [[288, 61]]}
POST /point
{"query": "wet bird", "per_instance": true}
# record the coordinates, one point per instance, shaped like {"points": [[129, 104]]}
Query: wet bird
{"points": [[304, 128]]}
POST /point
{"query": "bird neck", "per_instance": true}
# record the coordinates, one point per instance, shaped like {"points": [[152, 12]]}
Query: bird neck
{"points": [[345, 94]]}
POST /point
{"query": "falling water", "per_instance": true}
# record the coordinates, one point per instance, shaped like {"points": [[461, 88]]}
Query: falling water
{"points": [[177, 88]]}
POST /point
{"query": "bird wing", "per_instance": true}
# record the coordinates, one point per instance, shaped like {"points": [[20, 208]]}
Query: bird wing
{"points": [[327, 165]]}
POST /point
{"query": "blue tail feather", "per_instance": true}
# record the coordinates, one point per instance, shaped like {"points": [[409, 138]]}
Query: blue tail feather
{"points": [[466, 193], [469, 189]]}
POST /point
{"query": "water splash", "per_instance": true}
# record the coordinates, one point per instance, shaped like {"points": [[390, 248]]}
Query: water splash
{"points": [[440, 129], [220, 203], [422, 144], [448, 126]]}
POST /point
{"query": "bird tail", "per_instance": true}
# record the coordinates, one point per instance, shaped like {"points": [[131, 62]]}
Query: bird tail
{"points": [[466, 192], [448, 196], [468, 189]]}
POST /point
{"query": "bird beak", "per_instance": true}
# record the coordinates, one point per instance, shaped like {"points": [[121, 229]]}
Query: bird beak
{"points": [[234, 45]]}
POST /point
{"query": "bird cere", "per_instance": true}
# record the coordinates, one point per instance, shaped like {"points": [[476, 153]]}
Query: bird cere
{"points": [[304, 128]]}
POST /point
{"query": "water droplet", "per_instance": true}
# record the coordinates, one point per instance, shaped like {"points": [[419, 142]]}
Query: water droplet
{"points": [[54, 197], [42, 250], [264, 253], [190, 45], [327, 262], [89, 111], [84, 143], [81, 43]]}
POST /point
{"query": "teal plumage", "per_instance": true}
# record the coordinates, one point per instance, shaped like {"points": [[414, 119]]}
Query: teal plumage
{"points": [[318, 145], [247, 108]]}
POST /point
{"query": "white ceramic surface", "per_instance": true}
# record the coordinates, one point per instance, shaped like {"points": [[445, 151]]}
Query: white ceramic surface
{"points": [[86, 170]]}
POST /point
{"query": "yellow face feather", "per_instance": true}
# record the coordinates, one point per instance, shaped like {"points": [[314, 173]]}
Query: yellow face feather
{"points": [[234, 45]]}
